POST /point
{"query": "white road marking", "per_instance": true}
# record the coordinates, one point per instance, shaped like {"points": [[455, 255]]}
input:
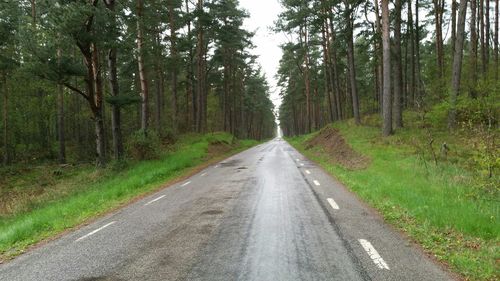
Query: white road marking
{"points": [[316, 182], [297, 159], [301, 164], [377, 259], [186, 183], [333, 203], [154, 200], [308, 172], [217, 166], [95, 231], [204, 174]]}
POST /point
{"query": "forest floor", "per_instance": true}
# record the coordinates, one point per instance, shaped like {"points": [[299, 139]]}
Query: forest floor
{"points": [[445, 199], [40, 202]]}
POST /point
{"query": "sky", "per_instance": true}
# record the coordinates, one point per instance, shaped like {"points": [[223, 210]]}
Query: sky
{"points": [[263, 13]]}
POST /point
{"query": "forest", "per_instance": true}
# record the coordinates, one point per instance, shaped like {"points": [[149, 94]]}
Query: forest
{"points": [[89, 80], [349, 59], [400, 101]]}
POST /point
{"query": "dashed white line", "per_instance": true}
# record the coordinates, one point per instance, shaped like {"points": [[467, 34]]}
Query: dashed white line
{"points": [[316, 182], [186, 183], [333, 203], [217, 166], [154, 200], [95, 231], [377, 259], [204, 174], [308, 172], [297, 159], [301, 164]]}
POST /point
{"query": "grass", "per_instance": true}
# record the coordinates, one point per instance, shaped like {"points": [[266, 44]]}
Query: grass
{"points": [[441, 207], [77, 200]]}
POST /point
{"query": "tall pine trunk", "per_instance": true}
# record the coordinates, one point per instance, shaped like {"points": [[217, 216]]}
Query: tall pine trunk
{"points": [[438, 21], [496, 39], [326, 74], [487, 31], [350, 61], [200, 72], [173, 54], [398, 70], [457, 64], [116, 130], [142, 70], [334, 63], [473, 48], [98, 110], [307, 83], [418, 81], [6, 152], [386, 55], [483, 37]]}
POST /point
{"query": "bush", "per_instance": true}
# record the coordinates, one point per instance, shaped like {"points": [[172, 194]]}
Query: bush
{"points": [[144, 145]]}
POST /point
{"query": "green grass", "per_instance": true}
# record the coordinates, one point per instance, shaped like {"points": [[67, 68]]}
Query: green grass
{"points": [[438, 206], [111, 189]]}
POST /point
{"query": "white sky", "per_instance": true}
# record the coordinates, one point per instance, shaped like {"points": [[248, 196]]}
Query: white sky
{"points": [[263, 13]]}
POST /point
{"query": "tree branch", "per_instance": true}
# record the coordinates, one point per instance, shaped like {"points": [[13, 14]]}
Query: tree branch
{"points": [[76, 90]]}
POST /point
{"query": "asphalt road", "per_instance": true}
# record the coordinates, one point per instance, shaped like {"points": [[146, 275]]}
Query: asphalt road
{"points": [[264, 214]]}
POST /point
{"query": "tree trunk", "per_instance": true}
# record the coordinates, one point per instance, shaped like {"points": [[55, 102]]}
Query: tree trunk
{"points": [[418, 81], [200, 73], [159, 80], [473, 48], [6, 153], [173, 54], [351, 64], [412, 80], [98, 107], [457, 63], [334, 62], [454, 6], [378, 50], [496, 39], [487, 31], [438, 20], [307, 83], [33, 12], [60, 120], [142, 71], [398, 71], [483, 41], [327, 68], [190, 93], [115, 92], [386, 46]]}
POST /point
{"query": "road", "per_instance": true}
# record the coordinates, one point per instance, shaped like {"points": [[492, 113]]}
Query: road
{"points": [[264, 214]]}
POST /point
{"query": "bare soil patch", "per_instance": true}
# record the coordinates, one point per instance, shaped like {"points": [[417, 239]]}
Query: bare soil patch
{"points": [[219, 148], [330, 141]]}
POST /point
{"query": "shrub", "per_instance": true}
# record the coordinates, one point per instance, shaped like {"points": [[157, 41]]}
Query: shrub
{"points": [[144, 145]]}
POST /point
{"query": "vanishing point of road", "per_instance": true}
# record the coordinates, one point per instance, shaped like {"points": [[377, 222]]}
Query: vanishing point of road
{"points": [[264, 214]]}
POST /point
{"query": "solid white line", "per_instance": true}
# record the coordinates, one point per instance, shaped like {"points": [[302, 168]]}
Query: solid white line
{"points": [[154, 200], [95, 231], [333, 203], [186, 183], [308, 172], [377, 259], [316, 182], [204, 174]]}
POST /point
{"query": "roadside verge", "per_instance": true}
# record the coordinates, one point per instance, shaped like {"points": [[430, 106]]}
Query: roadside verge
{"points": [[48, 220]]}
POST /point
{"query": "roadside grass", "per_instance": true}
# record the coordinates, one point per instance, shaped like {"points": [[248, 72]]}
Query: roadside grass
{"points": [[78, 200], [442, 207]]}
